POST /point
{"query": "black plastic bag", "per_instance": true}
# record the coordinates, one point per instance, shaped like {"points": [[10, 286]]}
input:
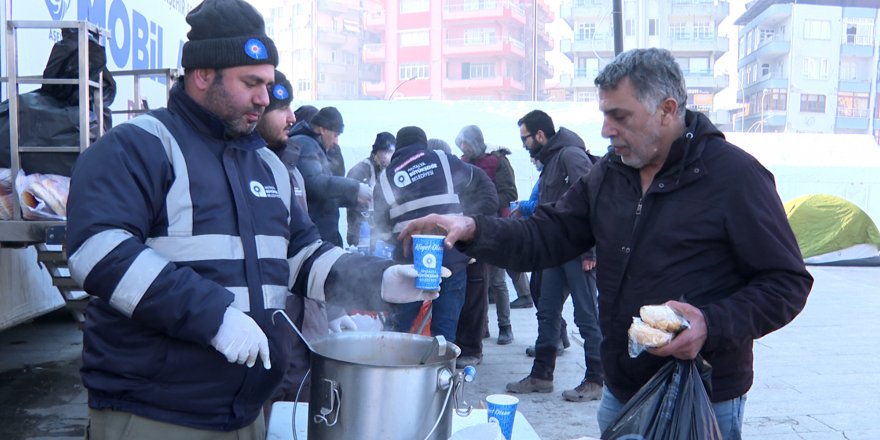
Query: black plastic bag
{"points": [[63, 63], [673, 405]]}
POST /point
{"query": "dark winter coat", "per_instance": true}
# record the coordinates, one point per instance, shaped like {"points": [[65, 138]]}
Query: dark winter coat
{"points": [[325, 192], [710, 230], [498, 168]]}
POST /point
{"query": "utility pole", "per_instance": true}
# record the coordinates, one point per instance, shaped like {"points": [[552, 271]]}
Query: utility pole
{"points": [[617, 25]]}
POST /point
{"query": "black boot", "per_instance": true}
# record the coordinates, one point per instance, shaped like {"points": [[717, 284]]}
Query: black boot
{"points": [[505, 335]]}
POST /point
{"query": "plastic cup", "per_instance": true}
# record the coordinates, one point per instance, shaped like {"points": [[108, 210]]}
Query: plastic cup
{"points": [[502, 410], [428, 260]]}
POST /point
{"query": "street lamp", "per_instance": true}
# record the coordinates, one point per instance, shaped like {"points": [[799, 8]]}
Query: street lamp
{"points": [[763, 120], [391, 95]]}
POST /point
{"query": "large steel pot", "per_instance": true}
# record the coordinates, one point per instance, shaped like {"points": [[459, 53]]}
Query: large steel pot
{"points": [[383, 386]]}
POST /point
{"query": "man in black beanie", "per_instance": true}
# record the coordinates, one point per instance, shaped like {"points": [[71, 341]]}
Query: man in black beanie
{"points": [[187, 235], [326, 187]]}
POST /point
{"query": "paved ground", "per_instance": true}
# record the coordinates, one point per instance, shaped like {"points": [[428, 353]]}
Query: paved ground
{"points": [[815, 379]]}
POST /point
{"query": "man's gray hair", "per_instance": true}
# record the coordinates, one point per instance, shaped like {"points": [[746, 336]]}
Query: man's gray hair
{"points": [[654, 74], [472, 135]]}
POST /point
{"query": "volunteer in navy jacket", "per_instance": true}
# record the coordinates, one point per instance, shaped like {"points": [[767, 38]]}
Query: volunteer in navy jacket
{"points": [[417, 182], [183, 226]]}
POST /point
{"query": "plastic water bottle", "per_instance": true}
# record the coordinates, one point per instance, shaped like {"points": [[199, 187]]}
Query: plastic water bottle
{"points": [[363, 246]]}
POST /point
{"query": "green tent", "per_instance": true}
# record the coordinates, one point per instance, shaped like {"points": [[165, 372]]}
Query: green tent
{"points": [[825, 224]]}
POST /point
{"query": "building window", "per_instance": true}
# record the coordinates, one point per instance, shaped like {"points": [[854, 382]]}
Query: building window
{"points": [[409, 6], [413, 71], [629, 27], [812, 103], [817, 30], [765, 70], [585, 31], [766, 35], [652, 27], [678, 31], [413, 38], [479, 36], [775, 99], [815, 68], [303, 85], [322, 77], [584, 96], [477, 70], [858, 31], [852, 104], [742, 47], [703, 30], [587, 68]]}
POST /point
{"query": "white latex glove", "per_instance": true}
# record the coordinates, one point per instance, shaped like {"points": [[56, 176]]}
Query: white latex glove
{"points": [[365, 194], [342, 324], [399, 285], [241, 340]]}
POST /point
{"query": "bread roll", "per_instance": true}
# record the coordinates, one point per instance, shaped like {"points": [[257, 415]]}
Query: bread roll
{"points": [[662, 318], [648, 336]]}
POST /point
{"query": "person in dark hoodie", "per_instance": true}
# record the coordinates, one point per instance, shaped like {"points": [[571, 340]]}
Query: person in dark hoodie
{"points": [[679, 216], [417, 182], [565, 160], [326, 191]]}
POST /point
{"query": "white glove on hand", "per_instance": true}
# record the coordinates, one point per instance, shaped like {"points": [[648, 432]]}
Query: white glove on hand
{"points": [[342, 324], [240, 339], [365, 195], [399, 285]]}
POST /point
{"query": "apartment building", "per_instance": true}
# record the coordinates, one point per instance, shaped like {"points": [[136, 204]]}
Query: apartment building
{"points": [[413, 49], [688, 28], [809, 66]]}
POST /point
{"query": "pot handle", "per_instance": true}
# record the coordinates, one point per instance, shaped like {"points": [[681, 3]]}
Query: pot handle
{"points": [[462, 408], [330, 403]]}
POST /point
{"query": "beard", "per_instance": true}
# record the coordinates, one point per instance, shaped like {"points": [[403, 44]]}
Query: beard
{"points": [[219, 102]]}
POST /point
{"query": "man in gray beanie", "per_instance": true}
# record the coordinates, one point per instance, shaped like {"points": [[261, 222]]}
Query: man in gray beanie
{"points": [[187, 235]]}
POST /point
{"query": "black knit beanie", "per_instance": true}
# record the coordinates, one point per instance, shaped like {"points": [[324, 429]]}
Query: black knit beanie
{"points": [[384, 141], [226, 33], [305, 113], [407, 136], [281, 94], [328, 118]]}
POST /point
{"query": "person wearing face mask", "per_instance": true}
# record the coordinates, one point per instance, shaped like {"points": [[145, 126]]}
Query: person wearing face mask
{"points": [[366, 171]]}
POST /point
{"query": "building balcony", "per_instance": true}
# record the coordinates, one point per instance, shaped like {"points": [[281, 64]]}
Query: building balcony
{"points": [[334, 68], [374, 53], [374, 21], [570, 11], [718, 45], [477, 84], [492, 47], [852, 119], [582, 79], [332, 38], [770, 48], [545, 38], [599, 44], [859, 86], [706, 81], [770, 81], [333, 6], [857, 50], [719, 10], [464, 11], [374, 88], [546, 68]]}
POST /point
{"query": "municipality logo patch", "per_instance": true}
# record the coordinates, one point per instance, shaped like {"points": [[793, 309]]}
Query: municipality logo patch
{"points": [[280, 92], [255, 49], [57, 8]]}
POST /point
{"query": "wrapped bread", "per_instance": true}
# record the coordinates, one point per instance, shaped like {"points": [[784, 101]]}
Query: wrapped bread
{"points": [[43, 196], [647, 336], [662, 318]]}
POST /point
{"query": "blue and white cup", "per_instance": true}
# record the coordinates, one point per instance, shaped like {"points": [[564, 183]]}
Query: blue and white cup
{"points": [[428, 260], [501, 409]]}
